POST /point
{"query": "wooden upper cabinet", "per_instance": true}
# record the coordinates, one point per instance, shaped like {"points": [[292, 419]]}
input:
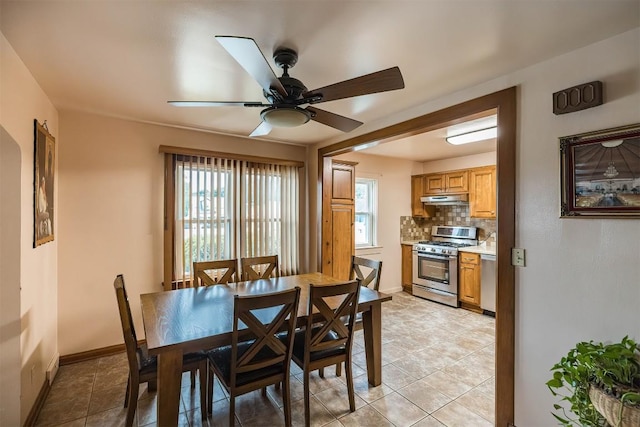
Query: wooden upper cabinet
{"points": [[343, 183], [482, 192], [417, 208], [449, 182]]}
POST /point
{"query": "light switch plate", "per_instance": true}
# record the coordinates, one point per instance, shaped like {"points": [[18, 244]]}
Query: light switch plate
{"points": [[517, 257]]}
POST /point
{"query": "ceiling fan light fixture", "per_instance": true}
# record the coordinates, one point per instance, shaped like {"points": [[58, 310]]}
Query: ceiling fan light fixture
{"points": [[475, 136], [285, 116]]}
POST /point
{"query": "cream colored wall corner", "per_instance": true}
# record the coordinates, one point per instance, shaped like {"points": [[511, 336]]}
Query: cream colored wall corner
{"points": [[21, 101], [111, 217]]}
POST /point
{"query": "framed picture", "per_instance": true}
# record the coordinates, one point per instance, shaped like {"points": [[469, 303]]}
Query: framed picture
{"points": [[43, 180], [600, 173]]}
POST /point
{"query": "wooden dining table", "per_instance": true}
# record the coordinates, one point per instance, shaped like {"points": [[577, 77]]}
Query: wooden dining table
{"points": [[194, 319]]}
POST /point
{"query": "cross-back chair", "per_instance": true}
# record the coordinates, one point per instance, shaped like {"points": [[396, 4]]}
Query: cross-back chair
{"points": [[261, 346], [368, 271], [222, 272], [144, 368], [261, 267], [326, 339]]}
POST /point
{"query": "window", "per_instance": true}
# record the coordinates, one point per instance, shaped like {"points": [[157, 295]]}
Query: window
{"points": [[229, 208], [366, 211]]}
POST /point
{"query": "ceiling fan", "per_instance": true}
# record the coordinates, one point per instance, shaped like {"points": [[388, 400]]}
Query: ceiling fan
{"points": [[288, 96]]}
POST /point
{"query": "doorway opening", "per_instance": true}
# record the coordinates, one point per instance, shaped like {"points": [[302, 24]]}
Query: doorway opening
{"points": [[504, 103]]}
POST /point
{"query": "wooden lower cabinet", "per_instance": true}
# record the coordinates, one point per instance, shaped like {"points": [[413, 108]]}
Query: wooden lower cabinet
{"points": [[469, 276], [407, 268]]}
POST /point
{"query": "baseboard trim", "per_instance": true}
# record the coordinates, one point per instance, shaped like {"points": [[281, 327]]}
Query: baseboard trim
{"points": [[91, 354], [37, 405], [392, 290]]}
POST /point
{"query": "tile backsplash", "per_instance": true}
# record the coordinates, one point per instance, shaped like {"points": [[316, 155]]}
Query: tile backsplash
{"points": [[414, 228]]}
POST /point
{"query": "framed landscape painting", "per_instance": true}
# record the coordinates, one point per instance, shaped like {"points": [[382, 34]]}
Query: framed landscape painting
{"points": [[600, 173], [44, 174]]}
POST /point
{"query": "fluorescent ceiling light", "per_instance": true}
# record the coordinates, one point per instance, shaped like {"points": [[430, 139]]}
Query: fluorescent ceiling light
{"points": [[474, 136]]}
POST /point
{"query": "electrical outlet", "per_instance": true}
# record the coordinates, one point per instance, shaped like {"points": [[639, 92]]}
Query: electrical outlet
{"points": [[517, 257]]}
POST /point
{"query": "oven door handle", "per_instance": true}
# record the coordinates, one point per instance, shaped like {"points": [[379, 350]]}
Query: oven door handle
{"points": [[434, 256]]}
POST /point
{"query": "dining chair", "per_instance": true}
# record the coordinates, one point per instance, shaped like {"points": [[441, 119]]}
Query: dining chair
{"points": [[261, 267], [368, 271], [144, 368], [326, 340], [261, 346], [206, 273]]}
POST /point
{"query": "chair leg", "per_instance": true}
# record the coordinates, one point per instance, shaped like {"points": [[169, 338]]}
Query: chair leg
{"points": [[350, 391], [307, 410], [338, 369], [264, 392], [321, 372], [286, 398], [152, 385], [132, 404], [232, 410], [193, 379], [203, 367], [127, 391], [210, 377]]}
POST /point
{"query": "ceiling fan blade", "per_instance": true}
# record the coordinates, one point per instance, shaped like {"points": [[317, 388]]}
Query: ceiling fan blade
{"points": [[380, 81], [263, 129], [336, 121], [250, 57], [216, 104]]}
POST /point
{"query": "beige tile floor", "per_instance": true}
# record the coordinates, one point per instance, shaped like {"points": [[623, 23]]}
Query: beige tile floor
{"points": [[438, 370]]}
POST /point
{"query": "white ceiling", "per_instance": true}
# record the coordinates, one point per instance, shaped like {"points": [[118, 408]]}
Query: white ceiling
{"points": [[127, 58]]}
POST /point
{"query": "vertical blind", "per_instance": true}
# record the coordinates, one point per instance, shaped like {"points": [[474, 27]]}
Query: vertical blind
{"points": [[228, 209]]}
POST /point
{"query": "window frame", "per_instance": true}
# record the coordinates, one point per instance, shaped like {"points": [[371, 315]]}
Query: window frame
{"points": [[372, 182]]}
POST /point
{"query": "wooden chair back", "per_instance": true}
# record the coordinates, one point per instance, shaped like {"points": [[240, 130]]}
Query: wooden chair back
{"points": [[262, 267], [263, 319], [134, 353], [337, 323], [223, 271], [372, 268]]}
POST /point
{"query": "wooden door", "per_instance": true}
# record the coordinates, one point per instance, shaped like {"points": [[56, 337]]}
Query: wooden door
{"points": [[469, 278], [482, 195], [338, 216], [407, 268]]}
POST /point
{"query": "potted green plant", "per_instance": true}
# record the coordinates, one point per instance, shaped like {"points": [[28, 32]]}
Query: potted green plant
{"points": [[600, 382]]}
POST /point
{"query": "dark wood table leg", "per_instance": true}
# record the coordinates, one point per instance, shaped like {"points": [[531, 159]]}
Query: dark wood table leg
{"points": [[372, 325], [169, 382]]}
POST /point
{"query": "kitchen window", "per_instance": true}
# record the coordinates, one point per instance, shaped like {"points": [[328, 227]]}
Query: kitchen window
{"points": [[366, 206]]}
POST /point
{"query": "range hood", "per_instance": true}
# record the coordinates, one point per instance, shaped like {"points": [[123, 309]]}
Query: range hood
{"points": [[446, 199]]}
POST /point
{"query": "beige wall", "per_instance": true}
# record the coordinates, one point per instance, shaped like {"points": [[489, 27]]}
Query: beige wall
{"points": [[110, 216], [581, 278], [21, 101]]}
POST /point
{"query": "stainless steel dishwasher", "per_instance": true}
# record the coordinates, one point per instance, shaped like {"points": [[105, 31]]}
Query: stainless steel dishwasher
{"points": [[488, 282]]}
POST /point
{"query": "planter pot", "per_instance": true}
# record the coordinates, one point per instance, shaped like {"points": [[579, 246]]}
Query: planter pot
{"points": [[610, 408]]}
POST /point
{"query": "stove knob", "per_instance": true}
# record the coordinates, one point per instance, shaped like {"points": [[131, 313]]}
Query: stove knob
{"points": [[433, 249], [446, 251]]}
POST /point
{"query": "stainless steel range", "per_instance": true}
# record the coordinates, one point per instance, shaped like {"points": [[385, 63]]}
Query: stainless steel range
{"points": [[435, 263]]}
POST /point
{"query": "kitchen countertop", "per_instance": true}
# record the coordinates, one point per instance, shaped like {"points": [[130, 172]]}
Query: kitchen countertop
{"points": [[480, 249], [408, 242]]}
